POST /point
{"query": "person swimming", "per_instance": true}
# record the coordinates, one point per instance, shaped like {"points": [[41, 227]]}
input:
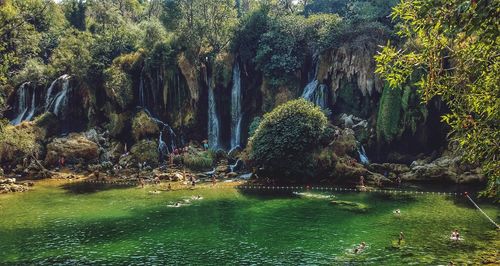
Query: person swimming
{"points": [[360, 248], [397, 212], [455, 235], [401, 238]]}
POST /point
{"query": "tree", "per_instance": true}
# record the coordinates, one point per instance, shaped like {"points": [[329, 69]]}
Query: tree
{"points": [[452, 48], [286, 138], [204, 26]]}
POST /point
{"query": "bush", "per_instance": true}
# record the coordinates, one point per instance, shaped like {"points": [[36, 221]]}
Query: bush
{"points": [[253, 126], [145, 151], [199, 162], [286, 139], [18, 141]]}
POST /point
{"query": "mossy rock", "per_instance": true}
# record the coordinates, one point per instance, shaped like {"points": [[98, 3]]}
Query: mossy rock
{"points": [[49, 123], [118, 123], [145, 151], [144, 126], [20, 141], [350, 206], [75, 147]]}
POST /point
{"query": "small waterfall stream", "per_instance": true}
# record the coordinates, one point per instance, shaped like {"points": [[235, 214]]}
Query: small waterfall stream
{"points": [[25, 105], [57, 104], [314, 91], [213, 119], [236, 106], [363, 158]]}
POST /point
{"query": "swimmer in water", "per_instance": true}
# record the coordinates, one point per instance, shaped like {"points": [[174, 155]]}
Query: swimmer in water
{"points": [[397, 212], [455, 235], [360, 248], [401, 238]]}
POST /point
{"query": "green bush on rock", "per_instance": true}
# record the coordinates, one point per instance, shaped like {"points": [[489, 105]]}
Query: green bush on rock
{"points": [[144, 126], [286, 139], [200, 161]]}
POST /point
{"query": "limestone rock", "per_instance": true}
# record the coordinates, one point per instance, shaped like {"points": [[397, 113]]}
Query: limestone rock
{"points": [[75, 148], [449, 167]]}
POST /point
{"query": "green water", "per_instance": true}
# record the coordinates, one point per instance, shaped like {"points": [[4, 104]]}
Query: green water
{"points": [[53, 225]]}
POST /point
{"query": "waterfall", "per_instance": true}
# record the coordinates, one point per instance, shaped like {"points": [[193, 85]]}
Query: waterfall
{"points": [[236, 166], [236, 115], [32, 108], [363, 158], [24, 97], [59, 102], [50, 91], [314, 91], [162, 147], [213, 120]]}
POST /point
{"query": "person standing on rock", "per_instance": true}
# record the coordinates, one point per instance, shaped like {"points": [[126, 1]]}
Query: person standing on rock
{"points": [[61, 161], [362, 181], [398, 180]]}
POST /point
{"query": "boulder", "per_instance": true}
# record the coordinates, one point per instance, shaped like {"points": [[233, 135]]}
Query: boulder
{"points": [[144, 126], [75, 148], [389, 168], [8, 185], [447, 168], [344, 142], [144, 151]]}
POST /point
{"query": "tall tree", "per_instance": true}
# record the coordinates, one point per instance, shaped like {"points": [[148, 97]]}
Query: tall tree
{"points": [[453, 47]]}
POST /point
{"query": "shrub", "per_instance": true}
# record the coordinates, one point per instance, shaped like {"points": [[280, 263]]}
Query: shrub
{"points": [[286, 139], [18, 141], [145, 151], [253, 126], [199, 162]]}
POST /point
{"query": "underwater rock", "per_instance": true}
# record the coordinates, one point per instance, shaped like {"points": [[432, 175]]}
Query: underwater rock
{"points": [[350, 206], [75, 147]]}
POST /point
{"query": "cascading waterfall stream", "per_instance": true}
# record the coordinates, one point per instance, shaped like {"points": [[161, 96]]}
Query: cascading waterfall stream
{"points": [[59, 102], [363, 158], [236, 106], [213, 120], [24, 97], [314, 91]]}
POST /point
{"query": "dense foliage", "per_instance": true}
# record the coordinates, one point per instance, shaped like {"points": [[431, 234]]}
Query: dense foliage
{"points": [[286, 138], [452, 46]]}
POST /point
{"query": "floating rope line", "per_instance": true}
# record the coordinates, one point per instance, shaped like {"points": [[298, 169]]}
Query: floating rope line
{"points": [[491, 220], [342, 189], [303, 188]]}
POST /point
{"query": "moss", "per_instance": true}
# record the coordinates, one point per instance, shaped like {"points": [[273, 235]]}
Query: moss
{"points": [[389, 113], [17, 142], [145, 151], [49, 123], [144, 126], [117, 123]]}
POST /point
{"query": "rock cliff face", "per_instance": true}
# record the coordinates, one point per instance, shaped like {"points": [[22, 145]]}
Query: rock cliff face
{"points": [[197, 98]]}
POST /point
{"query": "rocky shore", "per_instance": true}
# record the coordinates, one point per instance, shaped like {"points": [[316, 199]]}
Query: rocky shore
{"points": [[95, 155]]}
